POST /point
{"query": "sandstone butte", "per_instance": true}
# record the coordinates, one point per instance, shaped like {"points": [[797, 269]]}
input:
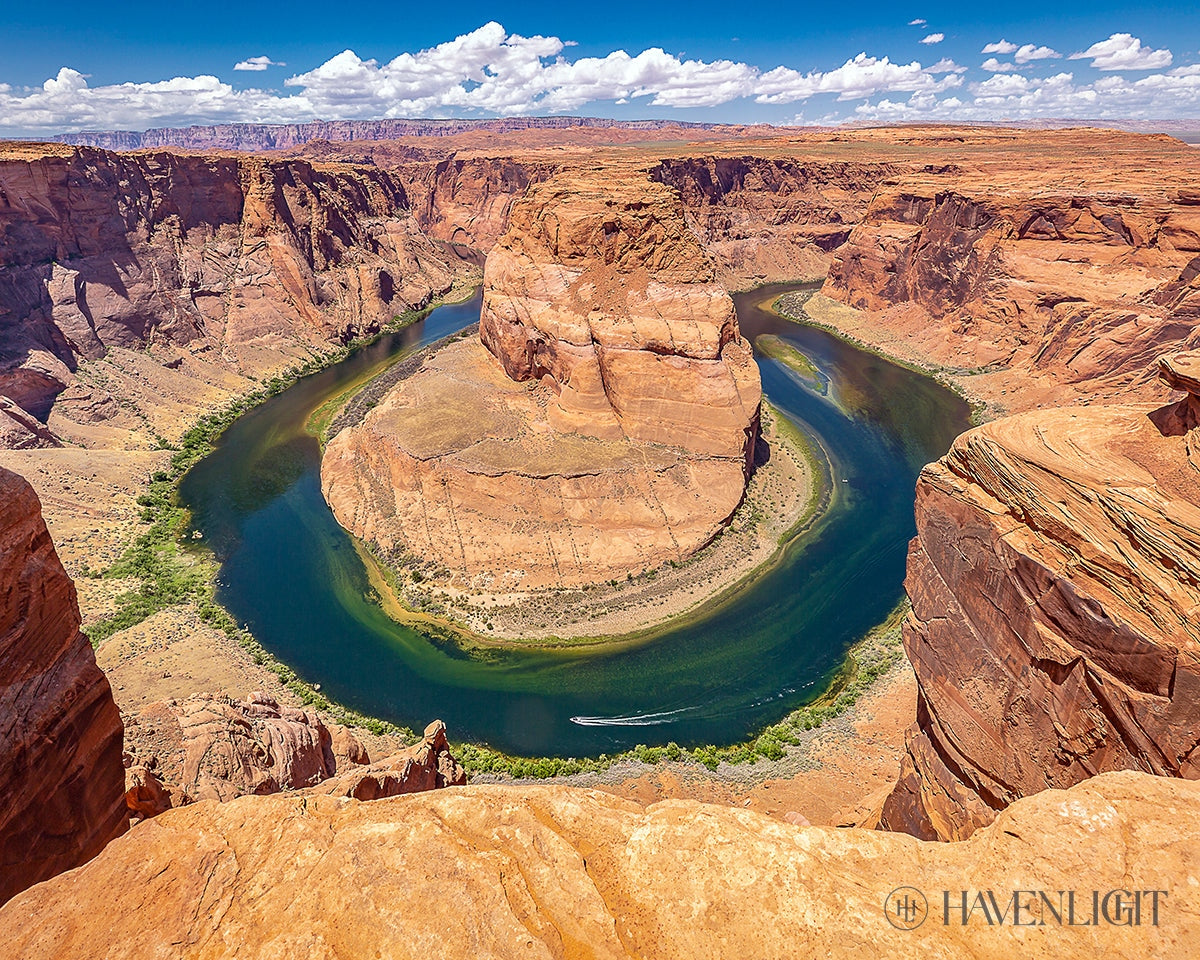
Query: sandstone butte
{"points": [[1055, 626], [62, 790], [604, 421], [490, 871]]}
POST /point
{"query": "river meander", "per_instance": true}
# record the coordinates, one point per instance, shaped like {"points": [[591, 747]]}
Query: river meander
{"points": [[293, 575]]}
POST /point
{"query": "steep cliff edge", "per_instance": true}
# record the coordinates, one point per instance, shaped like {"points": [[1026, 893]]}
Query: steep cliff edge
{"points": [[608, 427], [554, 872], [62, 787], [1055, 629], [242, 260], [1072, 284]]}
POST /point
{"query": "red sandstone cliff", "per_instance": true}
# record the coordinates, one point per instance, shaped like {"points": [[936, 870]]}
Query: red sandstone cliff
{"points": [[1055, 629], [62, 787], [102, 251], [1066, 275], [610, 429]]}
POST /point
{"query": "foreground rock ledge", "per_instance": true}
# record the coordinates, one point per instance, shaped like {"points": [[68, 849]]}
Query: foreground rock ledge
{"points": [[1055, 628], [558, 872], [608, 427]]}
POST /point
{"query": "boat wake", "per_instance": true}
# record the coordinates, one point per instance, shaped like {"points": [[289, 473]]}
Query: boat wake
{"points": [[636, 720]]}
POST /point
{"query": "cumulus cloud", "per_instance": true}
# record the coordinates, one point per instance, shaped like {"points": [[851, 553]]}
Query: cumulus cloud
{"points": [[917, 23], [258, 63], [934, 38], [1029, 52], [492, 72], [1123, 51], [1000, 46], [861, 77]]}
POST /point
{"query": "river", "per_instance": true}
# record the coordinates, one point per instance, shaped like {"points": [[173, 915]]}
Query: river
{"points": [[293, 576]]}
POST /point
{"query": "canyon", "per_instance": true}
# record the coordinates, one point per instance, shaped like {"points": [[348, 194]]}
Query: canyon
{"points": [[1053, 577]]}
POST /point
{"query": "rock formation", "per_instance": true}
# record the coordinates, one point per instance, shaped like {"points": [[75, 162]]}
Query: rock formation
{"points": [[1073, 282], [62, 789], [217, 748], [608, 427], [101, 251], [1055, 629], [556, 872]]}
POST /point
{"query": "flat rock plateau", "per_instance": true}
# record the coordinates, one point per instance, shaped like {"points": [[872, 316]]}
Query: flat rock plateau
{"points": [[1051, 695]]}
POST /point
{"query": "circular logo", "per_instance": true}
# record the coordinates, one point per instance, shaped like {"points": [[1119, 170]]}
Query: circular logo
{"points": [[906, 908]]}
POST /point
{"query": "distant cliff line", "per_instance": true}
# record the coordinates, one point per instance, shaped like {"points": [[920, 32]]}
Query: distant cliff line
{"points": [[269, 136]]}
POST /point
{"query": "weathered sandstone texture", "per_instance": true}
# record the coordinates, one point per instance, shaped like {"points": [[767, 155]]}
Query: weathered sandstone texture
{"points": [[553, 872], [217, 748], [1054, 268], [192, 255], [62, 788], [608, 427], [1055, 629]]}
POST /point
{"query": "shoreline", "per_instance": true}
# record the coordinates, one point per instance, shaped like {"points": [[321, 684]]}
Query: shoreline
{"points": [[242, 665], [644, 607]]}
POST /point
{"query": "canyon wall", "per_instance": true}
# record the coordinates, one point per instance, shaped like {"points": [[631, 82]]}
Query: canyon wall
{"points": [[62, 787], [1055, 625], [1069, 282], [553, 872], [228, 256], [608, 427]]}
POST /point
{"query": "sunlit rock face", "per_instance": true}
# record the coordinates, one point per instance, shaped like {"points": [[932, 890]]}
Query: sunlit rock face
{"points": [[1055, 629], [603, 423]]}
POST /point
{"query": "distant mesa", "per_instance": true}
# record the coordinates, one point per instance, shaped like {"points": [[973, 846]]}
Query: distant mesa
{"points": [[602, 424]]}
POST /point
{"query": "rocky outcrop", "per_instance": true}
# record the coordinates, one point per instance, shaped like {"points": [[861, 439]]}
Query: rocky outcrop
{"points": [[608, 427], [556, 872], [101, 251], [427, 765], [62, 790], [1074, 284], [1055, 628], [216, 748]]}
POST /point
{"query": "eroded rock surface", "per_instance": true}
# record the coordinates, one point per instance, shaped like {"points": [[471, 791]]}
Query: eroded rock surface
{"points": [[556, 872], [62, 788], [608, 427], [1055, 629], [101, 251]]}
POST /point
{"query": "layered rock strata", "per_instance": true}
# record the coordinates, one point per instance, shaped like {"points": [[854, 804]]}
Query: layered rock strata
{"points": [[217, 748], [555, 872], [62, 787], [100, 251], [1031, 269], [1055, 629], [604, 422]]}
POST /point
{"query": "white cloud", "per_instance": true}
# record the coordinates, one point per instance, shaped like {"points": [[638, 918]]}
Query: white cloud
{"points": [[917, 23], [861, 77], [258, 63], [492, 72], [1123, 51], [1000, 46], [934, 38], [1028, 52]]}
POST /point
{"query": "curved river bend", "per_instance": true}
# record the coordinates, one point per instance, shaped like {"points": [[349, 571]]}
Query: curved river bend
{"points": [[293, 575]]}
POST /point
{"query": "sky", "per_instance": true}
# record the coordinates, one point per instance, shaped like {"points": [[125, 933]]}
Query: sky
{"points": [[135, 65]]}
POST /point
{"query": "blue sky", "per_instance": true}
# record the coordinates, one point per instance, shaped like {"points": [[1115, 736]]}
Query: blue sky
{"points": [[141, 64]]}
